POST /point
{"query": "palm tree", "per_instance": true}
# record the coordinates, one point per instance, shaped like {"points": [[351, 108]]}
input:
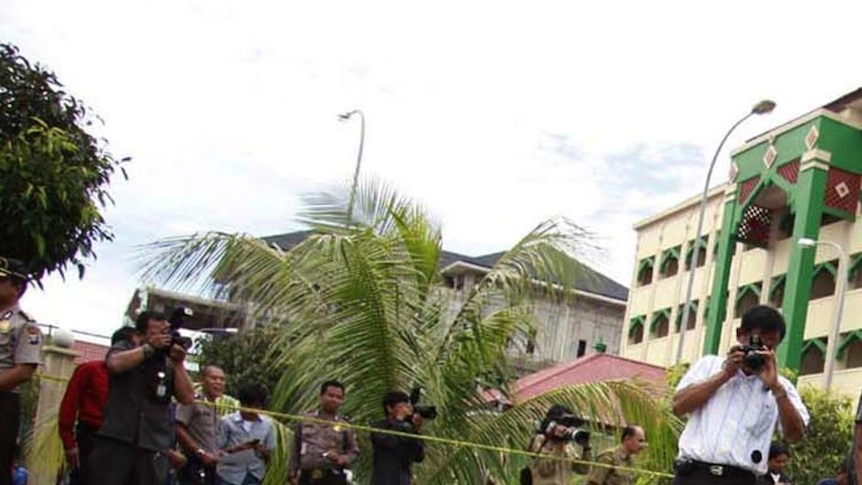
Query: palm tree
{"points": [[361, 301]]}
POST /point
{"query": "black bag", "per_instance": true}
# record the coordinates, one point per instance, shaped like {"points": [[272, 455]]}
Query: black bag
{"points": [[526, 476]]}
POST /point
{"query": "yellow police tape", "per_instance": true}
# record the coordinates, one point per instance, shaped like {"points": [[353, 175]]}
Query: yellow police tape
{"points": [[424, 437]]}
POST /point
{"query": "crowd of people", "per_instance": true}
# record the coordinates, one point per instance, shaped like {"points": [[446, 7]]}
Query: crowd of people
{"points": [[137, 418]]}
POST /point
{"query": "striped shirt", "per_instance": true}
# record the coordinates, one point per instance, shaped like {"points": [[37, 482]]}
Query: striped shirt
{"points": [[735, 426]]}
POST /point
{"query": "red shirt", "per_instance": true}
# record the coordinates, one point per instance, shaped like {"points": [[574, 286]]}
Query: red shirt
{"points": [[84, 400]]}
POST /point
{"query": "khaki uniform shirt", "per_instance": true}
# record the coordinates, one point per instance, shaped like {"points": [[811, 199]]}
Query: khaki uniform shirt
{"points": [[318, 438], [610, 475], [201, 422], [20, 340], [551, 471]]}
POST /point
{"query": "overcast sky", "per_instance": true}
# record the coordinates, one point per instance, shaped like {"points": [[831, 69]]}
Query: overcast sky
{"points": [[495, 117]]}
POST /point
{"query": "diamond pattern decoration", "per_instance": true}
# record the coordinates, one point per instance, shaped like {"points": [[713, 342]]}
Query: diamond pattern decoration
{"points": [[733, 172], [842, 190], [811, 137], [770, 156]]}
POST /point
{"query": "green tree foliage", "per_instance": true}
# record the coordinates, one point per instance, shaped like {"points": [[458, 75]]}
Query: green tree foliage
{"points": [[54, 174], [247, 357], [828, 437], [361, 301]]}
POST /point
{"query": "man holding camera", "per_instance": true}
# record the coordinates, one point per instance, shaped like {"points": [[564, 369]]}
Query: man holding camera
{"points": [[394, 455], [20, 353], [557, 432], [246, 440], [136, 433], [734, 403], [323, 451]]}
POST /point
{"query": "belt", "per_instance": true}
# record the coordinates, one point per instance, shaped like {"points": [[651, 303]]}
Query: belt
{"points": [[723, 470]]}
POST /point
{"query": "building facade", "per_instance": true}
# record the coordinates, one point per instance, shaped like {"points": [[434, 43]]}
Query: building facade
{"points": [[799, 180], [566, 329]]}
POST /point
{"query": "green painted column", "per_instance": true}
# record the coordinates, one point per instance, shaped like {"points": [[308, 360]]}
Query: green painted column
{"points": [[810, 191], [721, 277]]}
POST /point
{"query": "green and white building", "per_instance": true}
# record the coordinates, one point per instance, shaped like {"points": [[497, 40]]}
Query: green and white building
{"points": [[799, 180]]}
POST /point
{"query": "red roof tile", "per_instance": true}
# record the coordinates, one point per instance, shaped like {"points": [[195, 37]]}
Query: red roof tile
{"points": [[89, 351], [592, 368]]}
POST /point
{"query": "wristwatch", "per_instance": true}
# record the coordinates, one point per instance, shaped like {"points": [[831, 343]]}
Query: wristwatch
{"points": [[148, 350]]}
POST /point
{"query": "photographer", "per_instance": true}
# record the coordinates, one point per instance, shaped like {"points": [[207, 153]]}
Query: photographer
{"points": [[734, 404], [136, 433], [555, 437], [394, 455]]}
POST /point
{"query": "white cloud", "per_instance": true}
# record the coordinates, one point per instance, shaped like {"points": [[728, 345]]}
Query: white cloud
{"points": [[495, 116]]}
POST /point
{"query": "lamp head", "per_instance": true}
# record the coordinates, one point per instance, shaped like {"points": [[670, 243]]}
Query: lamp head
{"points": [[763, 107], [807, 242]]}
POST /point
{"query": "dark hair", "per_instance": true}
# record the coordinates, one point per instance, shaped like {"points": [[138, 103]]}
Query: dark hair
{"points": [[143, 320], [763, 318], [331, 383], [392, 398], [123, 333], [777, 449], [628, 432], [554, 413], [252, 395]]}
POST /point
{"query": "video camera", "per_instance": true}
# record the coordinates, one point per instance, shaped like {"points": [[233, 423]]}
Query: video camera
{"points": [[177, 320], [752, 360], [573, 433], [427, 412]]}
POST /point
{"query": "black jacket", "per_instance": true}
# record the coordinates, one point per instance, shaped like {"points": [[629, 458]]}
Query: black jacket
{"points": [[394, 455], [767, 479]]}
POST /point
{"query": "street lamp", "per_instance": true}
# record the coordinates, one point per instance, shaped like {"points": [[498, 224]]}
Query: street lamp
{"points": [[346, 117], [763, 107], [832, 344]]}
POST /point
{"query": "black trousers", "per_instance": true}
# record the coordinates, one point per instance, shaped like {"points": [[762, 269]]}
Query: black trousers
{"points": [[191, 473], [84, 436], [327, 477], [116, 463], [702, 476], [10, 410]]}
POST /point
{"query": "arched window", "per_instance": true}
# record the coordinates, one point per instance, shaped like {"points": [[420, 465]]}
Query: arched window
{"points": [[747, 298], [823, 280], [669, 262], [813, 357], [776, 293], [660, 324], [636, 330], [645, 268], [692, 316]]}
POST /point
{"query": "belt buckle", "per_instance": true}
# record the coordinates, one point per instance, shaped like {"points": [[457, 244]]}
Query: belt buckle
{"points": [[716, 470]]}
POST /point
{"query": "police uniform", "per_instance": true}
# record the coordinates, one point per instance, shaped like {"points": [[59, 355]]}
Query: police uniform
{"points": [[20, 343], [608, 473], [313, 440]]}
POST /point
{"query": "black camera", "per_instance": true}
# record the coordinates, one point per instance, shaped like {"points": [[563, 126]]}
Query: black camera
{"points": [[574, 431], [177, 320], [427, 412], [752, 360]]}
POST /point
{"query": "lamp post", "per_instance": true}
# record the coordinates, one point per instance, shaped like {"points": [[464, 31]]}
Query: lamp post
{"points": [[832, 344], [346, 117], [763, 107]]}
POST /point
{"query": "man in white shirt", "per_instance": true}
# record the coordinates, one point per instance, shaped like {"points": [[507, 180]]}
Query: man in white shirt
{"points": [[734, 403]]}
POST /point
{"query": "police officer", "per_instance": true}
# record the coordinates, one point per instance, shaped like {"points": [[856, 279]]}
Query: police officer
{"points": [[20, 353], [611, 461], [325, 451]]}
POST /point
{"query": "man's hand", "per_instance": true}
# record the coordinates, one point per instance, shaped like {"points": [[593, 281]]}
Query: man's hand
{"points": [[73, 457], [417, 421], [209, 459], [176, 459], [733, 363], [159, 340], [177, 354], [769, 372]]}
